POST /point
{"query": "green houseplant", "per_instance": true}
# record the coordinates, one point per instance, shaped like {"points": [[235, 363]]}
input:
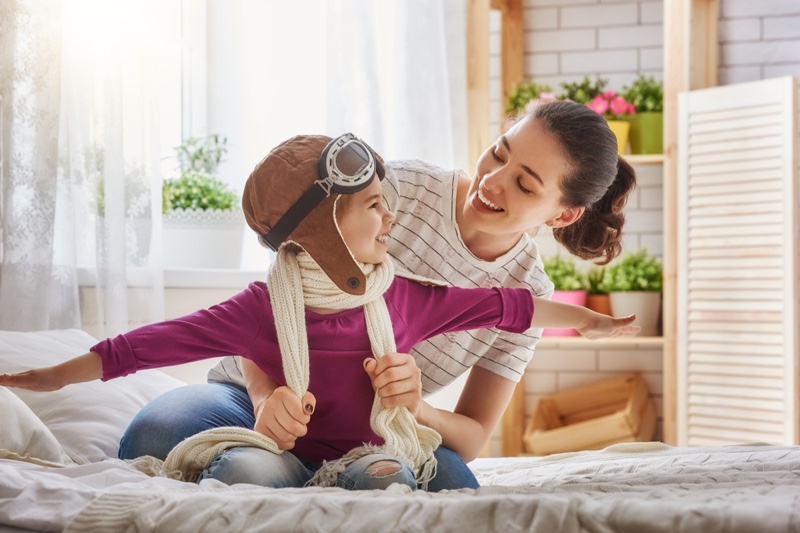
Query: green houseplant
{"points": [[203, 221], [646, 94], [523, 94], [583, 91], [569, 284], [197, 186], [634, 284], [522, 97]]}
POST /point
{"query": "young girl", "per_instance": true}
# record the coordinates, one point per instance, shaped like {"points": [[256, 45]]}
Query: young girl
{"points": [[332, 300]]}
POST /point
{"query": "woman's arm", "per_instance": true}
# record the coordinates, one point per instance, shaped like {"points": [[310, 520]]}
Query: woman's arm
{"points": [[480, 407], [86, 367]]}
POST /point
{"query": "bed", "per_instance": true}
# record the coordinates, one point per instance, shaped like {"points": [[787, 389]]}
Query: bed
{"points": [[57, 473]]}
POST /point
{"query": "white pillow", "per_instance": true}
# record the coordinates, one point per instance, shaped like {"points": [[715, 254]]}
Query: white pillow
{"points": [[24, 435], [88, 419]]}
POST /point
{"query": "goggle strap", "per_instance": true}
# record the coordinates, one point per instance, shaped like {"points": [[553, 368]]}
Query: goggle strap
{"points": [[291, 218]]}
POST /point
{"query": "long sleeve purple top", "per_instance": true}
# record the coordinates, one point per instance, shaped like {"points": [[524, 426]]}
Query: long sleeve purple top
{"points": [[338, 344]]}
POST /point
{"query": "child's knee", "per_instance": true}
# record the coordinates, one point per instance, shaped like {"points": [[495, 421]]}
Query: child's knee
{"points": [[383, 473], [384, 468]]}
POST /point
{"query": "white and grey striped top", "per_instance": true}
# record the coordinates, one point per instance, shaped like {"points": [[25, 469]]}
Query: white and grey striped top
{"points": [[425, 242]]}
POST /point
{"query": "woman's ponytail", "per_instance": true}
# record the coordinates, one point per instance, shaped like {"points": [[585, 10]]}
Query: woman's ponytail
{"points": [[598, 233]]}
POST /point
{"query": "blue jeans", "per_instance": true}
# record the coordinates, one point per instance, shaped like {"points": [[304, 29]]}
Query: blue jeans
{"points": [[186, 411], [262, 467]]}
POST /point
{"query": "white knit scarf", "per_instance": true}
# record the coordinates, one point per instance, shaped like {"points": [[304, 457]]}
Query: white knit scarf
{"points": [[293, 274]]}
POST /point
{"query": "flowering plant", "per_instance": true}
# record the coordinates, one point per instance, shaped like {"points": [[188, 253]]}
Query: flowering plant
{"points": [[611, 105]]}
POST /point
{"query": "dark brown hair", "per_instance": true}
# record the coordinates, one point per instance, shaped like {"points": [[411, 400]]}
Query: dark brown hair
{"points": [[597, 179]]}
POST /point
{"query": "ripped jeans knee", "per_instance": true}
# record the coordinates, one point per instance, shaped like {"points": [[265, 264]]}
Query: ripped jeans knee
{"points": [[376, 471]]}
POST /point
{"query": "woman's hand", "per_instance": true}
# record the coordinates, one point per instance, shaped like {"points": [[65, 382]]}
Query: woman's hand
{"points": [[397, 380], [39, 380], [599, 326], [284, 417]]}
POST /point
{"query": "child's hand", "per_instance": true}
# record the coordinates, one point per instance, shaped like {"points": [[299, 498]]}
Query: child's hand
{"points": [[284, 417], [39, 380], [599, 326], [397, 380]]}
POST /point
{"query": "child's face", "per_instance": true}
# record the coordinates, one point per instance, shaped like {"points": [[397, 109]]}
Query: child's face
{"points": [[365, 223]]}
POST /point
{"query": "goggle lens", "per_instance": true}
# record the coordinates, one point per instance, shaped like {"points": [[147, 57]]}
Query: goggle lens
{"points": [[352, 160]]}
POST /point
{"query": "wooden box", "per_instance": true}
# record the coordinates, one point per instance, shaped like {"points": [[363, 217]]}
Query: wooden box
{"points": [[592, 417]]}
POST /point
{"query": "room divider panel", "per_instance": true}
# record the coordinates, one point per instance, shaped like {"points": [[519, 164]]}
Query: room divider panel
{"points": [[737, 265]]}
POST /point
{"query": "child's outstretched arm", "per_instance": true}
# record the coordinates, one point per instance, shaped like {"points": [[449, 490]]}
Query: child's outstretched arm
{"points": [[592, 325], [86, 367]]}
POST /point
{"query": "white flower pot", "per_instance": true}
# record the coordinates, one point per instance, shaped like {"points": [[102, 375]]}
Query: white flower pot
{"points": [[195, 238], [646, 305]]}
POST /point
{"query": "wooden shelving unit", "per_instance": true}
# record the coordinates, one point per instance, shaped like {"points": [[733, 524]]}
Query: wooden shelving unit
{"points": [[581, 342], [644, 159]]}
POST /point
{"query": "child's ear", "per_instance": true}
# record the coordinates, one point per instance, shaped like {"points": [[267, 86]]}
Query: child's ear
{"points": [[569, 215]]}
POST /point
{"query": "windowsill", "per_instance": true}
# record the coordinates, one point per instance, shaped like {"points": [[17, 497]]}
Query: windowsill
{"points": [[195, 278]]}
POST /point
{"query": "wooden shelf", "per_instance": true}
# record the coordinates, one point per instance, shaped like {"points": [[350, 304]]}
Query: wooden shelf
{"points": [[644, 159], [581, 342]]}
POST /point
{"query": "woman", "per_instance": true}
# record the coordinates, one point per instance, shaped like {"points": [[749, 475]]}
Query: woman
{"points": [[557, 166]]}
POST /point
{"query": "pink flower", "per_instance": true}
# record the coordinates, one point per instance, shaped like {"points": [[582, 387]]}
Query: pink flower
{"points": [[599, 104], [548, 97], [619, 106], [610, 105]]}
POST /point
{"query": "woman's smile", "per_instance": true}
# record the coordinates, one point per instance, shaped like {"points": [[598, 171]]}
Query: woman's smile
{"points": [[482, 197]]}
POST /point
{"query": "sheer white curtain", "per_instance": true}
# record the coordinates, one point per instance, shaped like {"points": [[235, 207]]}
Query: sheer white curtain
{"points": [[397, 77], [80, 176]]}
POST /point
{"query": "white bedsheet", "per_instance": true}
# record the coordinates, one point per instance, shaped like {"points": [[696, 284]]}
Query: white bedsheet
{"points": [[628, 488]]}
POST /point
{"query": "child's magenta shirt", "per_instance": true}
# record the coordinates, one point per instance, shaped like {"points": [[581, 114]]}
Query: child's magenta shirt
{"points": [[338, 344]]}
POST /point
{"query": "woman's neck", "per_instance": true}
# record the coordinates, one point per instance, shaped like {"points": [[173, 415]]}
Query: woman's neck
{"points": [[485, 246]]}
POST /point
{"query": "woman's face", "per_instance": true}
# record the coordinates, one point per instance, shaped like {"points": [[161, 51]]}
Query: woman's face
{"points": [[516, 187], [365, 223]]}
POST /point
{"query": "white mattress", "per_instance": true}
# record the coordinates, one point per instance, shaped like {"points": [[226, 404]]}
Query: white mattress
{"points": [[639, 487]]}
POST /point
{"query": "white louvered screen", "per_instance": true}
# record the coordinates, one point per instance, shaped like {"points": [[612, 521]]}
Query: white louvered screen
{"points": [[737, 338]]}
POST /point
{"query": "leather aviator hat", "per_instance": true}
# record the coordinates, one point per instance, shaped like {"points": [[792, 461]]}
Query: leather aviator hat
{"points": [[291, 196]]}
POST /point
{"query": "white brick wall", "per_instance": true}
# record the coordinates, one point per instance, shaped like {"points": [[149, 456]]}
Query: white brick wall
{"points": [[567, 39], [758, 40]]}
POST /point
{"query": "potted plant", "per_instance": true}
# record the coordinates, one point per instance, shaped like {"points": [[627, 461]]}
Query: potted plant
{"points": [[583, 91], [524, 93], [522, 98], [203, 222], [569, 285], [596, 292], [634, 286], [616, 110], [646, 94]]}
